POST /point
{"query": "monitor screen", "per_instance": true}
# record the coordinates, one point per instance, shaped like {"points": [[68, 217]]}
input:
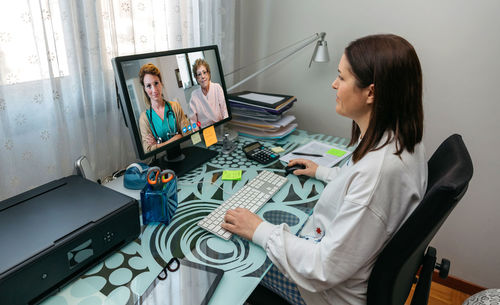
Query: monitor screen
{"points": [[168, 96]]}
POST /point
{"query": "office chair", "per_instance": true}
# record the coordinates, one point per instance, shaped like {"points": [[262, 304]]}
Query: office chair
{"points": [[450, 170]]}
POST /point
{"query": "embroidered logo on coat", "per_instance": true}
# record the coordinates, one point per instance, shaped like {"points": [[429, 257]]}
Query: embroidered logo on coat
{"points": [[315, 236]]}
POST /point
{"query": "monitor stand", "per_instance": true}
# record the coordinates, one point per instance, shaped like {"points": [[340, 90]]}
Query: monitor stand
{"points": [[183, 160]]}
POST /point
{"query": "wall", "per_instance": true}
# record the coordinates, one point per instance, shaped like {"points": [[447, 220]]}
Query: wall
{"points": [[459, 47]]}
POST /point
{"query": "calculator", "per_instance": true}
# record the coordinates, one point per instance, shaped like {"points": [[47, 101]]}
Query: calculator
{"points": [[258, 152]]}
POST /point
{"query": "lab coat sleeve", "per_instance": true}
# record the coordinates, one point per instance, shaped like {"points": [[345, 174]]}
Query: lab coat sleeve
{"points": [[193, 113], [222, 101], [326, 173], [354, 238]]}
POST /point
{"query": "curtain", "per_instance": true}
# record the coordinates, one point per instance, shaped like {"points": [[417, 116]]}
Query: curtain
{"points": [[57, 91], [217, 24]]}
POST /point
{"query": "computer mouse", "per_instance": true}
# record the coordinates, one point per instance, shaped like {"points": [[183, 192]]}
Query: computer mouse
{"points": [[290, 169]]}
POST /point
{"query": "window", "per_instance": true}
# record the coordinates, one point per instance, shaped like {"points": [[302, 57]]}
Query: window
{"points": [[32, 43], [182, 62], [192, 57], [185, 63]]}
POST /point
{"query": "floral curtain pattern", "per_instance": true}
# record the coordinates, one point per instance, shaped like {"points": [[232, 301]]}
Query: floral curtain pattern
{"points": [[57, 93]]}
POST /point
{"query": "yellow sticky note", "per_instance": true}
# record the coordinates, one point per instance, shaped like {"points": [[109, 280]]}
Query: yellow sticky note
{"points": [[195, 138], [277, 149], [336, 152], [232, 175], [209, 136]]}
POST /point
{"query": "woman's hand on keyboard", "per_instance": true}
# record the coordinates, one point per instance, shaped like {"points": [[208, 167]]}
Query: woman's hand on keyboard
{"points": [[242, 222]]}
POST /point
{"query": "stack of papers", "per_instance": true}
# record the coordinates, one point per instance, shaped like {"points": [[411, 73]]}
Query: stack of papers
{"points": [[278, 134], [262, 115], [320, 153], [242, 113], [270, 102], [261, 124]]}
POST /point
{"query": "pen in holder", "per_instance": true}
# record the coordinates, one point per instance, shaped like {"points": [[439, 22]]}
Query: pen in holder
{"points": [[159, 196]]}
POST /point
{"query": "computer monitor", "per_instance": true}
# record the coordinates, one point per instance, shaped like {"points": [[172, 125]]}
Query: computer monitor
{"points": [[164, 102]]}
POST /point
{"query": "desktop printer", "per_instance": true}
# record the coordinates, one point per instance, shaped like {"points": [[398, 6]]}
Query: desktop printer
{"points": [[55, 232]]}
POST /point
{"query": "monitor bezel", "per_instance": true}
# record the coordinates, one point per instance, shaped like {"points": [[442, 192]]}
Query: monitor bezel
{"points": [[126, 102]]}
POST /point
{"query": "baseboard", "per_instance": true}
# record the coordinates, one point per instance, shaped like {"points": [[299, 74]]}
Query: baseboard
{"points": [[457, 284]]}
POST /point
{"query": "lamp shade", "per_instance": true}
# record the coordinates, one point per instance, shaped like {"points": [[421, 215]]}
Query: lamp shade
{"points": [[321, 52]]}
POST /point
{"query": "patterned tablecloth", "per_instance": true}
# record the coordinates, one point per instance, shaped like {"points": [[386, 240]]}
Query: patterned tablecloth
{"points": [[132, 269]]}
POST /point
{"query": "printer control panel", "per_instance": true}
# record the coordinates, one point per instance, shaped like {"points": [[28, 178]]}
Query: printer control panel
{"points": [[108, 237]]}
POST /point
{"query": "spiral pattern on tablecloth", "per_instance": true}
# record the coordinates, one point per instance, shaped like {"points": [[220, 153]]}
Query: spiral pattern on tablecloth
{"points": [[185, 238]]}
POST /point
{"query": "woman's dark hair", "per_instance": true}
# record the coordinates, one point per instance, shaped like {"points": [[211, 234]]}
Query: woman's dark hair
{"points": [[390, 63]]}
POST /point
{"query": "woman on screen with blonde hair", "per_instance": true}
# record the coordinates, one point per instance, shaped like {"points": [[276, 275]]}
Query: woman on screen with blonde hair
{"points": [[162, 123]]}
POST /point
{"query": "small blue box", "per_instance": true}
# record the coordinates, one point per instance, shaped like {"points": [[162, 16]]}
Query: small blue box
{"points": [[159, 204]]}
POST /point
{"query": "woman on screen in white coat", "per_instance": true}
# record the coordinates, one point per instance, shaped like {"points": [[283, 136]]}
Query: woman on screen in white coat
{"points": [[379, 87], [207, 104]]}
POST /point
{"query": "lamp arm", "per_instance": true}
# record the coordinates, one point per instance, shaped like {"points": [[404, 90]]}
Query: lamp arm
{"points": [[308, 42], [290, 46]]}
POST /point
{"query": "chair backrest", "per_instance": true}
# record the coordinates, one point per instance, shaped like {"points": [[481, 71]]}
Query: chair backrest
{"points": [[449, 172]]}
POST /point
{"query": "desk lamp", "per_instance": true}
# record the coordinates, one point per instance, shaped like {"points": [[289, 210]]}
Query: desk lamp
{"points": [[320, 54]]}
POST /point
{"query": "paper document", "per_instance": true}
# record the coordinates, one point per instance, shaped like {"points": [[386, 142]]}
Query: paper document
{"points": [[265, 134], [264, 125], [330, 154], [268, 99]]}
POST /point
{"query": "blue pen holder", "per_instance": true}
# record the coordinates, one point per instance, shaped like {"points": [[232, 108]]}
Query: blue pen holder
{"points": [[159, 203]]}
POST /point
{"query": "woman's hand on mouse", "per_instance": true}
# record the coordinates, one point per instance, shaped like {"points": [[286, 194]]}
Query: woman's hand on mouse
{"points": [[309, 170]]}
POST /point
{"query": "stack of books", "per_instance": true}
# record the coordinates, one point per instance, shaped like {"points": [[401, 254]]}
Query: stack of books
{"points": [[262, 115]]}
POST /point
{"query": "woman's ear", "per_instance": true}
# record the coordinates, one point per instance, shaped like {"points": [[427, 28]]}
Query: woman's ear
{"points": [[371, 94]]}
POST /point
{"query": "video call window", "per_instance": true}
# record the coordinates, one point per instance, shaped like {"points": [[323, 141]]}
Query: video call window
{"points": [[169, 95]]}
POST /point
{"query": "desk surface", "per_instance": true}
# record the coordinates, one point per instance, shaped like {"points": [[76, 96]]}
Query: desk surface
{"points": [[133, 268]]}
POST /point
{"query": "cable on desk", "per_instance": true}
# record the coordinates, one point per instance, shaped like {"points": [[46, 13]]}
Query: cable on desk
{"points": [[112, 177]]}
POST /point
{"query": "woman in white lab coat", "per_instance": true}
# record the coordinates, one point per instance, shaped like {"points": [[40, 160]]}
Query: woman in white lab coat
{"points": [[379, 87], [207, 104]]}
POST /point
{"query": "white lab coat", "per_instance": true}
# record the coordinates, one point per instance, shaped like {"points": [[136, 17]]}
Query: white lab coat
{"points": [[360, 209], [210, 108]]}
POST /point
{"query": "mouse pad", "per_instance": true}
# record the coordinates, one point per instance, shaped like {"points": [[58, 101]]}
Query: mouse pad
{"points": [[191, 284]]}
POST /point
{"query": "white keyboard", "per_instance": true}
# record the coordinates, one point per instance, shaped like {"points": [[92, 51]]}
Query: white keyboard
{"points": [[252, 196]]}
